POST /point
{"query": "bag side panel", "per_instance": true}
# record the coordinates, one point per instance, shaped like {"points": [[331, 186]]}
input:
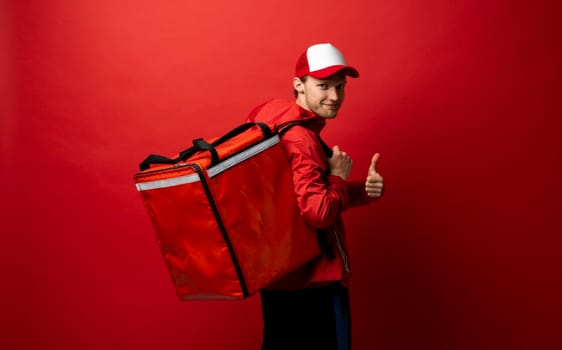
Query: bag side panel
{"points": [[191, 243]]}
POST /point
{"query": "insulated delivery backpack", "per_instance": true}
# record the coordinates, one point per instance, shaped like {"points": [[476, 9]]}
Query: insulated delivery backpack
{"points": [[225, 215]]}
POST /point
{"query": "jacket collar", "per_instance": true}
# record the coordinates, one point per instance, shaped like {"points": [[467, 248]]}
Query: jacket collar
{"points": [[313, 122]]}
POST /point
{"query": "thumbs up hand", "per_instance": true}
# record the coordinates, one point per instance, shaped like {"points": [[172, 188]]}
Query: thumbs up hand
{"points": [[374, 185]]}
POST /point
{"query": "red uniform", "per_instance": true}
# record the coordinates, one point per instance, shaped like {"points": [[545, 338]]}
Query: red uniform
{"points": [[321, 197]]}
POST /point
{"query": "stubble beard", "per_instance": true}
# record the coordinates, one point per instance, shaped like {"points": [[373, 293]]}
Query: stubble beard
{"points": [[327, 113]]}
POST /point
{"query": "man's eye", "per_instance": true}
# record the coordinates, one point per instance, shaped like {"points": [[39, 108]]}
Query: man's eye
{"points": [[323, 86]]}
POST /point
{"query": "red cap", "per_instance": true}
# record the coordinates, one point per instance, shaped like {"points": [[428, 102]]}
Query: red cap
{"points": [[322, 60]]}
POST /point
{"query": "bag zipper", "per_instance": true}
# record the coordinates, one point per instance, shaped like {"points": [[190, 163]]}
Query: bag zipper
{"points": [[343, 255]]}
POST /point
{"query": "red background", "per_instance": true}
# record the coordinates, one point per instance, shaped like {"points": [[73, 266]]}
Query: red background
{"points": [[461, 98]]}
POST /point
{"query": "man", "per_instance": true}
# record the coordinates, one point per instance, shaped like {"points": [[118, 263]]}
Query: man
{"points": [[309, 309]]}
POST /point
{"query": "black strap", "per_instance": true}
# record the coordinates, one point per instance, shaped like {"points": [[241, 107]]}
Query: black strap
{"points": [[202, 145]]}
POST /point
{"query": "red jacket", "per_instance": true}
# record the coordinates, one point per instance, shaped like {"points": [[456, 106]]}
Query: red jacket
{"points": [[321, 197]]}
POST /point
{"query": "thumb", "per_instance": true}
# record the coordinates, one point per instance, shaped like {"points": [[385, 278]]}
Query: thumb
{"points": [[336, 149], [374, 160]]}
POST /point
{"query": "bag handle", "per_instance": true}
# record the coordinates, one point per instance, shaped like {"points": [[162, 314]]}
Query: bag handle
{"points": [[202, 145]]}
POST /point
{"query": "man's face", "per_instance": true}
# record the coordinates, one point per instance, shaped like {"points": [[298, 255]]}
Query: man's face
{"points": [[323, 97]]}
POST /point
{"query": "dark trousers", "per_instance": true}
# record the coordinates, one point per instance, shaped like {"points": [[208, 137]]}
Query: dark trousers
{"points": [[313, 318]]}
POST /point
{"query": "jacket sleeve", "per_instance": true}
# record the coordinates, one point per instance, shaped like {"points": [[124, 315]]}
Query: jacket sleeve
{"points": [[321, 198], [357, 194]]}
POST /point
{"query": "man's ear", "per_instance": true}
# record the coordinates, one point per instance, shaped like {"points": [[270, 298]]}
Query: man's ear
{"points": [[298, 85]]}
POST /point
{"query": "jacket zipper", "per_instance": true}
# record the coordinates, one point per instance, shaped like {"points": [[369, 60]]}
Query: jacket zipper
{"points": [[343, 255]]}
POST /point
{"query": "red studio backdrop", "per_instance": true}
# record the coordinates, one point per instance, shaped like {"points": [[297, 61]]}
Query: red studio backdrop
{"points": [[461, 98]]}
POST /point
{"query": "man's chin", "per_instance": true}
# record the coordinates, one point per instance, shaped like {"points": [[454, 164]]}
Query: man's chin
{"points": [[329, 114]]}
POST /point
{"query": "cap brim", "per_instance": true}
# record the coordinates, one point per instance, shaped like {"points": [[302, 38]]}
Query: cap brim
{"points": [[326, 72]]}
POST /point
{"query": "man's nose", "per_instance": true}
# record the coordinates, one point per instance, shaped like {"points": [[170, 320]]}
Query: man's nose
{"points": [[333, 94]]}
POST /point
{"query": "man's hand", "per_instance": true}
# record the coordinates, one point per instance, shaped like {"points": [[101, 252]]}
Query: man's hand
{"points": [[374, 185], [340, 163]]}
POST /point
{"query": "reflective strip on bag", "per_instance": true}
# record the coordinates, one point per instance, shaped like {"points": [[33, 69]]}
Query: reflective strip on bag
{"points": [[213, 171]]}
